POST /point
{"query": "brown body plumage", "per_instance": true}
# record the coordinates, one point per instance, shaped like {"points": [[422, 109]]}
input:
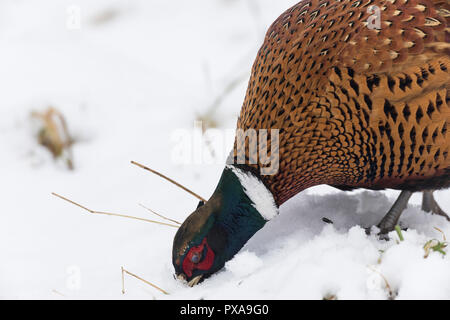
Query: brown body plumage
{"points": [[355, 106]]}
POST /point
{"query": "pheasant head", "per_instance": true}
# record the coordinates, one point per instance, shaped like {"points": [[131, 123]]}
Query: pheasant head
{"points": [[239, 207]]}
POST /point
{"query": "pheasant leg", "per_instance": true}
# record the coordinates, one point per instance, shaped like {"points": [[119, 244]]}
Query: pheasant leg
{"points": [[390, 220], [429, 204]]}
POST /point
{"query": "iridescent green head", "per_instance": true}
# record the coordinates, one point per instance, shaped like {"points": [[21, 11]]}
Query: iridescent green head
{"points": [[240, 206]]}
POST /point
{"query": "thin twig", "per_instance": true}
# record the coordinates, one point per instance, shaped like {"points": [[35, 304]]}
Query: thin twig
{"points": [[139, 278], [58, 293], [159, 215], [168, 179], [112, 214]]}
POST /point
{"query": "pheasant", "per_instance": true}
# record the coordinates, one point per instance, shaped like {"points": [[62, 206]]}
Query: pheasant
{"points": [[352, 94]]}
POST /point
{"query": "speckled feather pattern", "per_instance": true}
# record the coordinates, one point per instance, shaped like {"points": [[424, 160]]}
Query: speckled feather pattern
{"points": [[356, 107]]}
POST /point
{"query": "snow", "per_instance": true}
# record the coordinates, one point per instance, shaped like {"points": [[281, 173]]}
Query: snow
{"points": [[257, 192], [131, 75], [244, 264]]}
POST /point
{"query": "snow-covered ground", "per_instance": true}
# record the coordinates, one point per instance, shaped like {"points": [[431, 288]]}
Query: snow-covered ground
{"points": [[126, 78]]}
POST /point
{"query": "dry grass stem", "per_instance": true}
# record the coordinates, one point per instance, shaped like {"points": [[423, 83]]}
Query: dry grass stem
{"points": [[54, 134], [112, 214], [168, 179], [442, 232], [105, 16], [58, 293], [209, 117], [386, 283], [124, 271], [159, 215], [123, 280]]}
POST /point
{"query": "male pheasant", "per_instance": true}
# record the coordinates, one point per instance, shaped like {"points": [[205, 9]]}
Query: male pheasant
{"points": [[358, 93]]}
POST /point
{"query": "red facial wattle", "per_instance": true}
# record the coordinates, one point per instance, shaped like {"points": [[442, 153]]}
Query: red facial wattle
{"points": [[205, 264]]}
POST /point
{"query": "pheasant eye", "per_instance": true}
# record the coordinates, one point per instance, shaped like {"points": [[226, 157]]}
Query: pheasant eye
{"points": [[196, 257]]}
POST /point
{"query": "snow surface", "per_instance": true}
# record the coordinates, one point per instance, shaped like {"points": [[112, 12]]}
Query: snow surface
{"points": [[135, 72]]}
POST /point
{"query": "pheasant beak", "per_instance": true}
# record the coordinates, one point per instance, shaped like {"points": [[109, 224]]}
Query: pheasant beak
{"points": [[181, 277], [195, 281], [191, 283]]}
